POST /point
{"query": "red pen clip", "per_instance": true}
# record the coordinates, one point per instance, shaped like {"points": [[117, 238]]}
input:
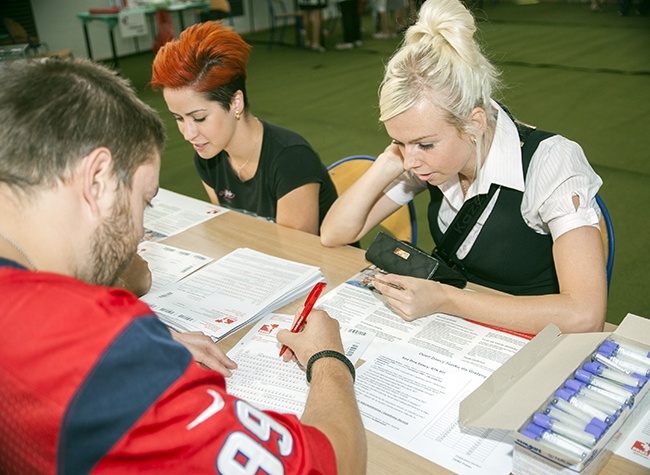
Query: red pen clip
{"points": [[309, 304]]}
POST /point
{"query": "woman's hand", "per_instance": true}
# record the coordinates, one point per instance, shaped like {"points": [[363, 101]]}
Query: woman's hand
{"points": [[205, 351], [391, 161], [413, 298]]}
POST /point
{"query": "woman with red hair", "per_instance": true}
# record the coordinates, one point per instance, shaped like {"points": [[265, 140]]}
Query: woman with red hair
{"points": [[244, 163]]}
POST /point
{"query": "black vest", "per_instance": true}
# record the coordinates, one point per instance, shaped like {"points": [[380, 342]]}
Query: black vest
{"points": [[507, 255]]}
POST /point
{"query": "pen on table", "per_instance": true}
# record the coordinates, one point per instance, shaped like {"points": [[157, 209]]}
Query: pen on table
{"points": [[389, 284], [309, 304]]}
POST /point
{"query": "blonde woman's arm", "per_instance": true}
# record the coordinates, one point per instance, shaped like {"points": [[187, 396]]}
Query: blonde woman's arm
{"points": [[364, 205]]}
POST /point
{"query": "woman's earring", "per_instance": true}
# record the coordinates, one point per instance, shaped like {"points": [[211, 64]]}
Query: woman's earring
{"points": [[473, 139], [237, 115]]}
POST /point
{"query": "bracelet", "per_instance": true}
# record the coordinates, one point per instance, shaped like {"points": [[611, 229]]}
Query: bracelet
{"points": [[329, 354]]}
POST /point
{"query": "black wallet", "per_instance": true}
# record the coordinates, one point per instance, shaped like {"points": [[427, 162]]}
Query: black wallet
{"points": [[397, 257]]}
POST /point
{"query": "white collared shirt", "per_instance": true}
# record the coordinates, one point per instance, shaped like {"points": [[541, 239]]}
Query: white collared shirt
{"points": [[558, 171]]}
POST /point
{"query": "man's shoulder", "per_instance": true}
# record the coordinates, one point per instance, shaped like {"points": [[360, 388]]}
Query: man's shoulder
{"points": [[55, 299]]}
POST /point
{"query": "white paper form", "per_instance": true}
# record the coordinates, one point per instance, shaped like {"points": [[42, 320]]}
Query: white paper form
{"points": [[221, 297], [636, 446], [169, 264], [355, 305], [170, 213], [263, 379], [411, 397]]}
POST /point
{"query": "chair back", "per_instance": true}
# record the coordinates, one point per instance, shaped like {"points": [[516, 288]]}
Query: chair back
{"points": [[402, 223], [16, 31], [19, 35], [607, 233]]}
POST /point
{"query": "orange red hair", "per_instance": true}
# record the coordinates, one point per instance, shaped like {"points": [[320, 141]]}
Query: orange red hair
{"points": [[206, 57]]}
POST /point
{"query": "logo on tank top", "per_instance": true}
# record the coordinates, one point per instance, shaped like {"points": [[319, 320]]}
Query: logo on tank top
{"points": [[227, 195]]}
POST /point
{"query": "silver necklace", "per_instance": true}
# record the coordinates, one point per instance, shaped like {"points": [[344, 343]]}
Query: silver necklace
{"points": [[19, 249]]}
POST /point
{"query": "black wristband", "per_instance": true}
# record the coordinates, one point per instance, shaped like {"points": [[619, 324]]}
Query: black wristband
{"points": [[329, 354]]}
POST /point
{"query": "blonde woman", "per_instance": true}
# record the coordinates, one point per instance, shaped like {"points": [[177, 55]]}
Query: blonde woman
{"points": [[537, 240]]}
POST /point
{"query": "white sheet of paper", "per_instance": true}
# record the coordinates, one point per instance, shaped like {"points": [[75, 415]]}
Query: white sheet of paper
{"points": [[412, 402], [170, 213], [233, 291], [355, 305], [169, 264], [411, 396], [263, 379], [636, 446]]}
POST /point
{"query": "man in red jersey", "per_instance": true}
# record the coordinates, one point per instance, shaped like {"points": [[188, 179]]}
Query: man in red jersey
{"points": [[90, 379]]}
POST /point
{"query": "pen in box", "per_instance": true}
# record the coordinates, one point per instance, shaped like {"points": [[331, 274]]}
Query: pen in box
{"points": [[625, 363], [570, 449], [609, 405], [597, 392], [577, 412], [595, 426], [598, 382], [585, 405], [629, 350], [576, 435], [613, 375]]}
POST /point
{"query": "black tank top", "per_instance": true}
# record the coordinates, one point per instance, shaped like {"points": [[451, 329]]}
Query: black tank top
{"points": [[508, 255]]}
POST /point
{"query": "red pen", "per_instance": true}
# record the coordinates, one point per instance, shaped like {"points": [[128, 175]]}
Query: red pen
{"points": [[309, 304]]}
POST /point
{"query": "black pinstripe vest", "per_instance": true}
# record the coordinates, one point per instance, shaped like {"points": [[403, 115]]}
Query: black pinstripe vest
{"points": [[507, 255]]}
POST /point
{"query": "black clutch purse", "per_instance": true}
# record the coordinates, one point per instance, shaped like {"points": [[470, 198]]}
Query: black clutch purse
{"points": [[397, 257]]}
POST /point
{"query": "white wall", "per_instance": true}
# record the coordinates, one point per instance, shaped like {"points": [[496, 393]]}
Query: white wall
{"points": [[59, 27]]}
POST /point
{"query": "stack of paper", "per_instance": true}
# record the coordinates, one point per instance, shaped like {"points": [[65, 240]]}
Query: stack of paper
{"points": [[170, 213], [228, 294], [168, 263]]}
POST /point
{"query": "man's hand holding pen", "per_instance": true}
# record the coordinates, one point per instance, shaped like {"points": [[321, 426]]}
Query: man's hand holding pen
{"points": [[320, 332]]}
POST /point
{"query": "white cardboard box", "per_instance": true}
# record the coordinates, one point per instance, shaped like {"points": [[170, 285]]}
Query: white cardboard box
{"points": [[527, 382]]}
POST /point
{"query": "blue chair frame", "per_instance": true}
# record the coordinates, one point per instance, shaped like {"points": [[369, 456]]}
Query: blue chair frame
{"points": [[609, 227], [410, 204]]}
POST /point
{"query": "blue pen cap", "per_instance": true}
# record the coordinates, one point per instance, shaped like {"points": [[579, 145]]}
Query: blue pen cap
{"points": [[582, 375], [535, 429], [598, 423], [565, 393], [610, 343], [574, 384], [596, 428], [606, 350], [529, 434], [634, 390], [542, 420], [593, 367]]}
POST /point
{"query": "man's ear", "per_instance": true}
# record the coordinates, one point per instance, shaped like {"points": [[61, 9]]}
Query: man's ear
{"points": [[98, 180]]}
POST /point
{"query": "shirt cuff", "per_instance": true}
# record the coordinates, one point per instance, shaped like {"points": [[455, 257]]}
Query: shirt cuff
{"points": [[568, 222]]}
